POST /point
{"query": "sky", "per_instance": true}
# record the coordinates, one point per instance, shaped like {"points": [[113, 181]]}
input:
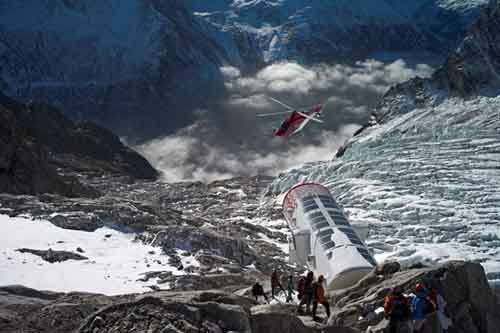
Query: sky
{"points": [[230, 140]]}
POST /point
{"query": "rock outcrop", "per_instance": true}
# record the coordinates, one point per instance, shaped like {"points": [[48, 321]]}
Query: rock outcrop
{"points": [[471, 304], [472, 69], [53, 256], [24, 164], [44, 152]]}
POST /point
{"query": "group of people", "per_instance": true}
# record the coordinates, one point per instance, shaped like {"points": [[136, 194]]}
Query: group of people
{"points": [[409, 313], [312, 291], [308, 292], [406, 313]]}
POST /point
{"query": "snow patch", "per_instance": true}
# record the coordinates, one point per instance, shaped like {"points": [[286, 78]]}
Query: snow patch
{"points": [[115, 261]]}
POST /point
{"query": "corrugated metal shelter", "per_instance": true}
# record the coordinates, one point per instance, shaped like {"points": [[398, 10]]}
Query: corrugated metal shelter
{"points": [[323, 239]]}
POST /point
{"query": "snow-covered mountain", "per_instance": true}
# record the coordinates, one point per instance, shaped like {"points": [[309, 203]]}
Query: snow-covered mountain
{"points": [[424, 175], [311, 31], [119, 62], [138, 66]]}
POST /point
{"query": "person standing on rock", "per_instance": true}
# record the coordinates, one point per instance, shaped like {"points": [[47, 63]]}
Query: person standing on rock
{"points": [[300, 287], [319, 297], [289, 289], [443, 322], [397, 310], [421, 307], [276, 282], [307, 295], [258, 290]]}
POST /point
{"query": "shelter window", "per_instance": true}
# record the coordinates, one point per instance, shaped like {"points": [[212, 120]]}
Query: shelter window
{"points": [[316, 214], [310, 207], [331, 205], [329, 245], [325, 198], [307, 201], [340, 221], [319, 219], [325, 239], [336, 213], [326, 232], [320, 225]]}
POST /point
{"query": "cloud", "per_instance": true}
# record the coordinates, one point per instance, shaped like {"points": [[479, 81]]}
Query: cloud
{"points": [[182, 157], [229, 140]]}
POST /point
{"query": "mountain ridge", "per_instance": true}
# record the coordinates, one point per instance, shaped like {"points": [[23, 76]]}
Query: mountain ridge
{"points": [[146, 62]]}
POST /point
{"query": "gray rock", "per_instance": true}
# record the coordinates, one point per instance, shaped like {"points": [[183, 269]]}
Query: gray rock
{"points": [[471, 302], [389, 268], [54, 256]]}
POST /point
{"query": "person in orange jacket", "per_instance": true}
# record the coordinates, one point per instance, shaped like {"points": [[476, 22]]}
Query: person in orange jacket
{"points": [[319, 297]]}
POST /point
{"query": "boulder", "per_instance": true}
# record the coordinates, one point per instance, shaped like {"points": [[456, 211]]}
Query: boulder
{"points": [[53, 256], [278, 318], [471, 303]]}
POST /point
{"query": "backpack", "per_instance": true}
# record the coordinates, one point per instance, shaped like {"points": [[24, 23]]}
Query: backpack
{"points": [[399, 308], [257, 289], [431, 307], [420, 307], [301, 286]]}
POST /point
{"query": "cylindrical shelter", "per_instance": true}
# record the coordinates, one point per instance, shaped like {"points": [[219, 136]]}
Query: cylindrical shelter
{"points": [[322, 238]]}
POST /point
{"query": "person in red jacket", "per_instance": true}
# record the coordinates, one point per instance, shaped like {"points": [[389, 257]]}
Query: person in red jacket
{"points": [[276, 282], [397, 310]]}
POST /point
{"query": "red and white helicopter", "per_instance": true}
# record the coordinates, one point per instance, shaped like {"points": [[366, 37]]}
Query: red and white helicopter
{"points": [[297, 120]]}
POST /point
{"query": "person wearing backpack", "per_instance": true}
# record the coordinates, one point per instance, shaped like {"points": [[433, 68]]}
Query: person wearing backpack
{"points": [[397, 310], [320, 298], [421, 307], [276, 283], [289, 289], [307, 296], [300, 287], [443, 322], [258, 290]]}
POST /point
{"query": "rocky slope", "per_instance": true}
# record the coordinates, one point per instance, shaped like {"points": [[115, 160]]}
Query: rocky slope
{"points": [[231, 236], [471, 305], [40, 146], [142, 64]]}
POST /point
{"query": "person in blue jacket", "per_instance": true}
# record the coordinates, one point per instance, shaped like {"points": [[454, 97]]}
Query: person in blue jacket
{"points": [[421, 307]]}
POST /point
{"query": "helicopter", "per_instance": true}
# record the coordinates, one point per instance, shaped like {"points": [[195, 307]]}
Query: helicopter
{"points": [[297, 120]]}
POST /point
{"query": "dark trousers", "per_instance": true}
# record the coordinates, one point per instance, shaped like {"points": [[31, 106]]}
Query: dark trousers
{"points": [[325, 304], [399, 325]]}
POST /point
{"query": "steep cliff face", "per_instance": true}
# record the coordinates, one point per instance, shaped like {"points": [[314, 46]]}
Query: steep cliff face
{"points": [[311, 31], [24, 164], [473, 70], [121, 63], [40, 144]]}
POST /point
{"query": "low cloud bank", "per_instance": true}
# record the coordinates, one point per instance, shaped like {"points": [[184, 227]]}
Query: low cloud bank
{"points": [[229, 140]]}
